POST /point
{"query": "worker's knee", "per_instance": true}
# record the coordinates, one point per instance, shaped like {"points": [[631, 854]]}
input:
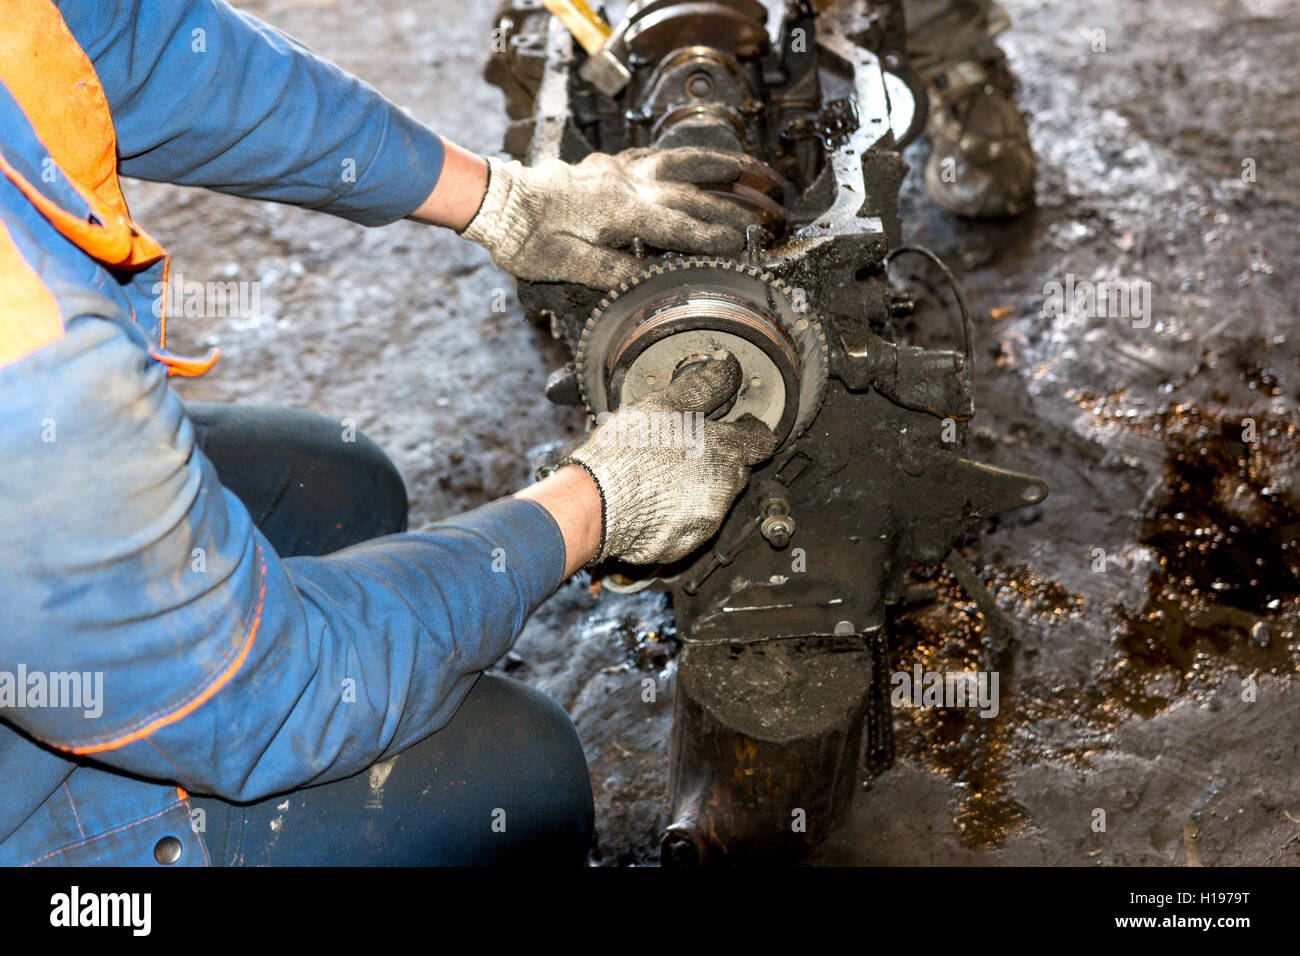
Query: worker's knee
{"points": [[504, 783], [312, 484], [534, 772], [363, 479]]}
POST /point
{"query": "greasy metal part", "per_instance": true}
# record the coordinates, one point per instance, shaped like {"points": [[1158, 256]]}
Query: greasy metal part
{"points": [[760, 189], [999, 626], [695, 87], [777, 529], [729, 545], [967, 321], [659, 28], [518, 65], [747, 710], [878, 754], [774, 506], [769, 212], [909, 106], [645, 330], [785, 660]]}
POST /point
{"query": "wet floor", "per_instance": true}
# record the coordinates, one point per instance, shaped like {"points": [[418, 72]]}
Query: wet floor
{"points": [[1148, 701]]}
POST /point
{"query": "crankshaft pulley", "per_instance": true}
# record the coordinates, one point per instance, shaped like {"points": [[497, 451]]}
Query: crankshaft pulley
{"points": [[675, 314]]}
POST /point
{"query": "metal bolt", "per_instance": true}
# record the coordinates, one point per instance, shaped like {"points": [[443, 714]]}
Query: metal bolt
{"points": [[777, 529]]}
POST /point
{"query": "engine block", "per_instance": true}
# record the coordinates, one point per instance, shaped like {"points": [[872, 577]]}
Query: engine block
{"points": [[780, 688]]}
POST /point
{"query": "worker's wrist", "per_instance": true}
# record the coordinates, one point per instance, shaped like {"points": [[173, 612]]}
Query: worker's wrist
{"points": [[459, 192], [572, 498]]}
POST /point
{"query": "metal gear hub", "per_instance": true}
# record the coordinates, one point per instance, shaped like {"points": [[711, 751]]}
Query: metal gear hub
{"points": [[675, 314]]}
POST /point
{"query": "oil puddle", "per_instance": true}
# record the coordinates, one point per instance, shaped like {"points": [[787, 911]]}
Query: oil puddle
{"points": [[649, 648], [1222, 604], [1225, 594], [946, 634]]}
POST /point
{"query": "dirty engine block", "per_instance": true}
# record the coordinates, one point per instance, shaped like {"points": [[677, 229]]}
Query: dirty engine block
{"points": [[780, 701]]}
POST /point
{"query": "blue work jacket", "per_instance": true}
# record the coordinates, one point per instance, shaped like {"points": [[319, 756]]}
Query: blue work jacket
{"points": [[221, 667]]}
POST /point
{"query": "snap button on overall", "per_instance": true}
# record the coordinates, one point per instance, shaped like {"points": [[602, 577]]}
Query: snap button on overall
{"points": [[168, 850]]}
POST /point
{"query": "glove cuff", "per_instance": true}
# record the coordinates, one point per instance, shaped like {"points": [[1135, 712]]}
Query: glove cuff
{"points": [[629, 503], [600, 555], [508, 212]]}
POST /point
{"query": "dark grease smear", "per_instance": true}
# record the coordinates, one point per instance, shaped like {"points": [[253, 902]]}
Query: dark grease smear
{"points": [[645, 632]]}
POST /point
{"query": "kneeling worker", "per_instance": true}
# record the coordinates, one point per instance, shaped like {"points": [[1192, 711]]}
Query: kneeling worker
{"points": [[231, 589]]}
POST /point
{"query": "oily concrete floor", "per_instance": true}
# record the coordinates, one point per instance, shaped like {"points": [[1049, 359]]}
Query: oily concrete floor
{"points": [[1127, 688]]}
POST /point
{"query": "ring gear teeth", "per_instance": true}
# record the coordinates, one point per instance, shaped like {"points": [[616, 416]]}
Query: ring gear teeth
{"points": [[805, 328]]}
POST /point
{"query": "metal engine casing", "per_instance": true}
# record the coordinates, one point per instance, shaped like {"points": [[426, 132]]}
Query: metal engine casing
{"points": [[784, 651]]}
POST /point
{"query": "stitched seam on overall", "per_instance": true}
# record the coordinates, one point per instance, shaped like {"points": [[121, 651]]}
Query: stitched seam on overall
{"points": [[76, 816], [100, 836]]}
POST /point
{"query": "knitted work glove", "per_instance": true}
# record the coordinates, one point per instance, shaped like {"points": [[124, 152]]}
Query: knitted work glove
{"points": [[557, 222], [666, 473]]}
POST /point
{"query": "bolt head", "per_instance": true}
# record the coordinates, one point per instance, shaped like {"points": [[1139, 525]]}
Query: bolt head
{"points": [[777, 529]]}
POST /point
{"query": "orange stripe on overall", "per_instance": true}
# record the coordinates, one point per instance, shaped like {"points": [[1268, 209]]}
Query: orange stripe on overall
{"points": [[30, 316], [52, 79]]}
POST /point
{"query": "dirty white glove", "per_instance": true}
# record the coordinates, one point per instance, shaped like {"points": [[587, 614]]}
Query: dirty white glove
{"points": [[561, 222], [666, 474]]}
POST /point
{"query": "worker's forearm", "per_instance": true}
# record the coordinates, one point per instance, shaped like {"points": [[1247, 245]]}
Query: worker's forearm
{"points": [[459, 190], [571, 497]]}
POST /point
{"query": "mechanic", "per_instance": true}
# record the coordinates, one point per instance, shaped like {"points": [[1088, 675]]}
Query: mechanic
{"points": [[268, 636], [981, 163]]}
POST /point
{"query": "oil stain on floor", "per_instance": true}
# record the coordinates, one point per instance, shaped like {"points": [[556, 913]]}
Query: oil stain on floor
{"points": [[1222, 603]]}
